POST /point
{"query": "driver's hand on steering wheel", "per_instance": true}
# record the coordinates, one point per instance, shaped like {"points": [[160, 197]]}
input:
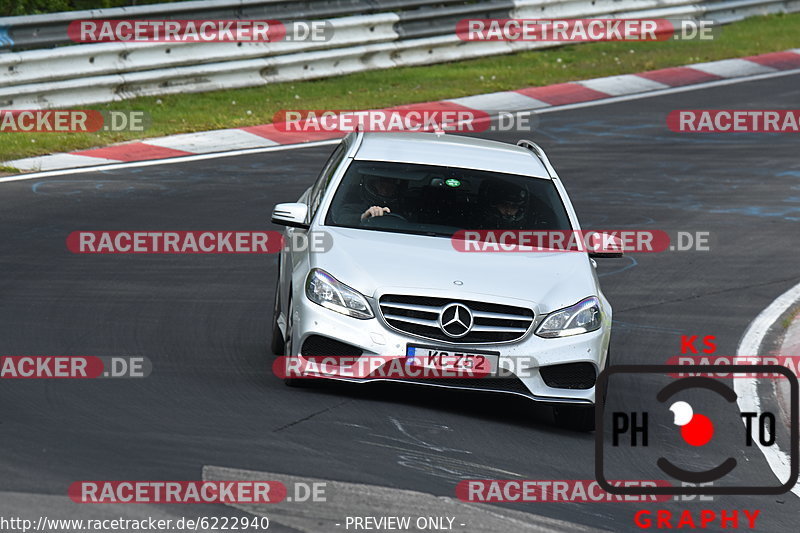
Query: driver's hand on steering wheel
{"points": [[375, 211]]}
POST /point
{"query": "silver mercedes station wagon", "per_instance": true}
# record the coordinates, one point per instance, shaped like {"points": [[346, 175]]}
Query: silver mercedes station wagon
{"points": [[392, 280]]}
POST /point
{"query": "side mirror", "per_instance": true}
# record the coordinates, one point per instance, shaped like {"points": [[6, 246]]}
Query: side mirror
{"points": [[605, 246], [292, 215]]}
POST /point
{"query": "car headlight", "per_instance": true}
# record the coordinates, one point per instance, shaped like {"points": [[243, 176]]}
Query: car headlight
{"points": [[582, 317], [327, 291]]}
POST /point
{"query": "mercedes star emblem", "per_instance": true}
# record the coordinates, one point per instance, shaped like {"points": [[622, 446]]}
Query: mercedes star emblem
{"points": [[455, 320]]}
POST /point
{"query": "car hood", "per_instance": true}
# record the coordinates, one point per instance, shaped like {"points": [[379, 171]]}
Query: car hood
{"points": [[377, 262]]}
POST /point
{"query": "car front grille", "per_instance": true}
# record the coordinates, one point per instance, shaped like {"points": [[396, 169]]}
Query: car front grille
{"points": [[419, 316]]}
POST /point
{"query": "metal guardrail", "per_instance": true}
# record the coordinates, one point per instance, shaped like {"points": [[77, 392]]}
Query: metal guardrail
{"points": [[49, 30], [384, 34]]}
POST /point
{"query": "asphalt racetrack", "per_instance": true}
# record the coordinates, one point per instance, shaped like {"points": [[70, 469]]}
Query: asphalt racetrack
{"points": [[204, 321]]}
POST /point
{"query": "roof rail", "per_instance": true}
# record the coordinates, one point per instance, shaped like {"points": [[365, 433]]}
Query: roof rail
{"points": [[538, 152], [353, 141]]}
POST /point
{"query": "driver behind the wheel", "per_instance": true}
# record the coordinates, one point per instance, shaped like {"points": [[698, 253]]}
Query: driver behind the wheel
{"points": [[382, 194]]}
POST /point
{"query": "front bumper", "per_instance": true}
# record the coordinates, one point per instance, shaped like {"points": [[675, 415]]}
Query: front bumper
{"points": [[524, 359]]}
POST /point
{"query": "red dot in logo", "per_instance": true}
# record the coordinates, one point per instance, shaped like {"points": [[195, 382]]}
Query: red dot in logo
{"points": [[698, 431]]}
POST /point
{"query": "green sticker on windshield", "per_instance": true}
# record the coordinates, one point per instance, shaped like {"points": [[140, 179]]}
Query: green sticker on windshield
{"points": [[453, 182]]}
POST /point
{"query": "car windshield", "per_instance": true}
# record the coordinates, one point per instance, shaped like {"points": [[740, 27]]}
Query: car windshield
{"points": [[440, 200]]}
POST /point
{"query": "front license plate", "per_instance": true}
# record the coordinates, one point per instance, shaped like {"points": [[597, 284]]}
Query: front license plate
{"points": [[448, 359]]}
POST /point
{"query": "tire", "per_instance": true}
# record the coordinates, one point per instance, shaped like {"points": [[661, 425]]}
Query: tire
{"points": [[608, 364], [277, 343], [575, 417], [287, 344]]}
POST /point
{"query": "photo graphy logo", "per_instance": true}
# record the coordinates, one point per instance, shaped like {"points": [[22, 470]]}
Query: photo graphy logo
{"points": [[690, 430]]}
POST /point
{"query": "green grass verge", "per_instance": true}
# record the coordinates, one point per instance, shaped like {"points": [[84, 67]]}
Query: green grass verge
{"points": [[789, 318], [257, 105]]}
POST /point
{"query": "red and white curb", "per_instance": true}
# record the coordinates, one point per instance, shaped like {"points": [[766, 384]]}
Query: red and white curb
{"points": [[532, 98], [791, 341]]}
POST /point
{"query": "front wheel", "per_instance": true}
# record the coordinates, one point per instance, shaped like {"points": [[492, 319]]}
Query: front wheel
{"points": [[277, 343], [289, 349], [576, 417]]}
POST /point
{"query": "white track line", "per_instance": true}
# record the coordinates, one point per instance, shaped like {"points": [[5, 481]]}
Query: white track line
{"points": [[200, 157], [746, 389]]}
